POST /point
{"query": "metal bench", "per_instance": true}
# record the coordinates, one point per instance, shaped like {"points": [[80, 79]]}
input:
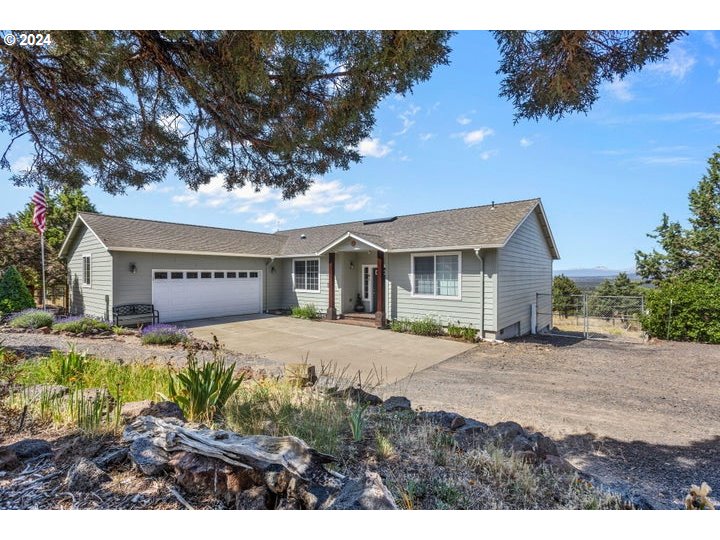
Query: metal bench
{"points": [[136, 312]]}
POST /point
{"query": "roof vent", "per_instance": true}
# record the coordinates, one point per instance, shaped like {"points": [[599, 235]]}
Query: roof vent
{"points": [[303, 236], [380, 220]]}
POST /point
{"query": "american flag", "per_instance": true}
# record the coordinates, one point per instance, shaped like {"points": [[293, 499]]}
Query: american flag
{"points": [[38, 200]]}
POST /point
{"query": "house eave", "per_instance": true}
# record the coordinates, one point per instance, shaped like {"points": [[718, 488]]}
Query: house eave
{"points": [[189, 252]]}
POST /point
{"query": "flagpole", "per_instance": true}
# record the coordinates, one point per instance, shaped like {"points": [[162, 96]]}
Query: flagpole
{"points": [[42, 265]]}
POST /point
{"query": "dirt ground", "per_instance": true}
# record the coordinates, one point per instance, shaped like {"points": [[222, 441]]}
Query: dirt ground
{"points": [[644, 418]]}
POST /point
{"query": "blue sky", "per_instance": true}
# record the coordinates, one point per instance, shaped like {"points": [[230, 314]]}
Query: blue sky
{"points": [[604, 178]]}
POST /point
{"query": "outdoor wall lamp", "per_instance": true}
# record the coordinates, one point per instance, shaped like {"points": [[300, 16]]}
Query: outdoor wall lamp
{"points": [[133, 268], [272, 269], [352, 265]]}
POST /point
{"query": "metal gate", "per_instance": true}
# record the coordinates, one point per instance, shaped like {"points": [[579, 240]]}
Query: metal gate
{"points": [[588, 316]]}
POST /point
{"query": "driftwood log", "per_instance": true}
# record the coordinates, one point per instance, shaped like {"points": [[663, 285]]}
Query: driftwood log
{"points": [[288, 472]]}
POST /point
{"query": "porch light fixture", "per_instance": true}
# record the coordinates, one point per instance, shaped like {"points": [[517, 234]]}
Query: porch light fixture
{"points": [[133, 268], [352, 265]]}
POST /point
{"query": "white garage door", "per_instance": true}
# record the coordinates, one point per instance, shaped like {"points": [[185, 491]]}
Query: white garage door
{"points": [[181, 295]]}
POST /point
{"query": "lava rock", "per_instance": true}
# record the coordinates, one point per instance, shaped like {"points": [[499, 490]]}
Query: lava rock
{"points": [[31, 448], [440, 418], [543, 446], [85, 476], [397, 403], [368, 493], [457, 423], [358, 395], [558, 464], [8, 460], [162, 409], [505, 432]]}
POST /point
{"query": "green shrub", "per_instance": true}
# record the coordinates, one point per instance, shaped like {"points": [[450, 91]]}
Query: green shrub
{"points": [[467, 333], [308, 311], [32, 318], [202, 389], [14, 294], [694, 314], [163, 334], [122, 331], [427, 326], [81, 325]]}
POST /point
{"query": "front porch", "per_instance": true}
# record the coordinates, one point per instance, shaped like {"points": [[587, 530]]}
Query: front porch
{"points": [[356, 288]]}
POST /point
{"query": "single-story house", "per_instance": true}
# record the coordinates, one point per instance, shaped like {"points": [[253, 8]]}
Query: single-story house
{"points": [[483, 266]]}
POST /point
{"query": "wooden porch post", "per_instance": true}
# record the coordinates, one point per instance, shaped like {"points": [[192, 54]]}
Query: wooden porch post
{"points": [[331, 311], [380, 288]]}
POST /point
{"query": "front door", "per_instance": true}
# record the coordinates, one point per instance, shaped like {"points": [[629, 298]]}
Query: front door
{"points": [[369, 279]]}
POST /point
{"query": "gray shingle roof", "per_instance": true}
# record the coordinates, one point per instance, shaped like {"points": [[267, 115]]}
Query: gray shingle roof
{"points": [[473, 226], [477, 226], [130, 233]]}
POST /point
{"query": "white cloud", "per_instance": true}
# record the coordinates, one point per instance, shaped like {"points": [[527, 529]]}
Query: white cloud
{"points": [[667, 160], [426, 136], [189, 199], [406, 118], [157, 188], [268, 218], [620, 89], [477, 136], [174, 123], [322, 197], [357, 204], [267, 204], [525, 142], [463, 120], [374, 147], [488, 154], [678, 64], [22, 164]]}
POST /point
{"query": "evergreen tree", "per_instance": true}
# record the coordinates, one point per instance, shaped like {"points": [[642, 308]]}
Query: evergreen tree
{"points": [[696, 248], [564, 291], [264, 108], [14, 294]]}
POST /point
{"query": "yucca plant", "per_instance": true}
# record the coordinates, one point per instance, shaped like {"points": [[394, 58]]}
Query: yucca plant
{"points": [[202, 389]]}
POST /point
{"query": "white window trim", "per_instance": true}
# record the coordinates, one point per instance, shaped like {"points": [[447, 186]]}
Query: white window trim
{"points": [[435, 296], [90, 271], [313, 291]]}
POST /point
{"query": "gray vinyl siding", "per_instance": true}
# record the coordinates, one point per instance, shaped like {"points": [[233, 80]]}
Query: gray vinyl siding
{"points": [[468, 310], [301, 298], [97, 299], [273, 285], [137, 288], [524, 269]]}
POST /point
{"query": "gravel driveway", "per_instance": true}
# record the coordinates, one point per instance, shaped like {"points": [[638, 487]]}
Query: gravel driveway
{"points": [[644, 418]]}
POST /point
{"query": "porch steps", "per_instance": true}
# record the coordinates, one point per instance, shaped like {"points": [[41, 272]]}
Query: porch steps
{"points": [[356, 319]]}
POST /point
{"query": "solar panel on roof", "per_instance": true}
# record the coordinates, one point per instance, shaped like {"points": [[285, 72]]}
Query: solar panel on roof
{"points": [[379, 220]]}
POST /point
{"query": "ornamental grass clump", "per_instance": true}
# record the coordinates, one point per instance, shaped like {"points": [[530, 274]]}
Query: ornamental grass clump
{"points": [[32, 319], [163, 334], [81, 325]]}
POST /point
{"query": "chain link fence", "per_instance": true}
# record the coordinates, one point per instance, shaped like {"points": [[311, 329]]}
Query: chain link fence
{"points": [[588, 316]]}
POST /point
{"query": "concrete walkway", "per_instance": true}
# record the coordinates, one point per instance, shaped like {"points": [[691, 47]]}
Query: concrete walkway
{"points": [[350, 348]]}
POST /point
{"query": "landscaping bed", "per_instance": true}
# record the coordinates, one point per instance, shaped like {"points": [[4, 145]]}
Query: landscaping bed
{"points": [[372, 453]]}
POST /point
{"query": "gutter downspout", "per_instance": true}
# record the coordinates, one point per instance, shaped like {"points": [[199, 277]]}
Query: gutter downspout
{"points": [[482, 293]]}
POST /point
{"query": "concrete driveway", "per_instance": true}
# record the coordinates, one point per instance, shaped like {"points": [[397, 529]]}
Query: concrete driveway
{"points": [[355, 348]]}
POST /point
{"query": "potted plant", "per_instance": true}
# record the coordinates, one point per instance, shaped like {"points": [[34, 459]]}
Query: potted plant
{"points": [[359, 306]]}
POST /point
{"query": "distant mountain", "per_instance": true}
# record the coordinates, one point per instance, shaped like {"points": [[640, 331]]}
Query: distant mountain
{"points": [[597, 272]]}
